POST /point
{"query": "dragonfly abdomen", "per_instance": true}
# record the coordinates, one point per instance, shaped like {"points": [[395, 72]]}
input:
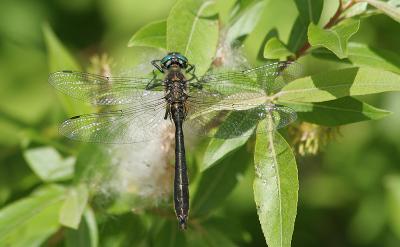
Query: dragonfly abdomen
{"points": [[181, 182]]}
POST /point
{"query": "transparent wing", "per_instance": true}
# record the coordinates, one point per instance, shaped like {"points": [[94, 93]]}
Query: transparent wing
{"points": [[102, 90], [267, 78], [232, 124], [139, 123]]}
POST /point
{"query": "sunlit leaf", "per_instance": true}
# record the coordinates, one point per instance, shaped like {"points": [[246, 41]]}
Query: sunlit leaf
{"points": [[363, 55], [192, 30], [356, 9], [246, 21], [86, 235], [31, 220], [48, 164], [152, 35], [336, 112], [74, 205], [389, 9], [271, 24], [275, 49], [336, 38], [340, 83], [275, 186]]}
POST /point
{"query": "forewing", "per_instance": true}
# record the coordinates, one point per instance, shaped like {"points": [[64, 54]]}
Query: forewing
{"points": [[139, 123], [103, 90], [267, 78]]}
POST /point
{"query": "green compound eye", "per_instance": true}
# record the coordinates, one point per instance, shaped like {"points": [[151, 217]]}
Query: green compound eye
{"points": [[166, 58], [181, 57]]}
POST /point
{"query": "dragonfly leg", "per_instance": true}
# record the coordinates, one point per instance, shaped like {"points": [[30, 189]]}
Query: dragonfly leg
{"points": [[153, 83], [191, 69], [154, 63], [197, 84], [167, 111]]}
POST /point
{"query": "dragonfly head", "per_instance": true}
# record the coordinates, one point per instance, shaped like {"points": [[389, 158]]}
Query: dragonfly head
{"points": [[174, 59]]}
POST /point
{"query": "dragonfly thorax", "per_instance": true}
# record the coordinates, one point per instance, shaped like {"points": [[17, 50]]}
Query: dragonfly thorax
{"points": [[176, 87]]}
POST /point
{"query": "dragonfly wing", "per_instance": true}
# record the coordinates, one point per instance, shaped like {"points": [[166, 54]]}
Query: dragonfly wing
{"points": [[229, 83], [227, 124], [280, 116], [131, 125], [102, 90], [266, 78]]}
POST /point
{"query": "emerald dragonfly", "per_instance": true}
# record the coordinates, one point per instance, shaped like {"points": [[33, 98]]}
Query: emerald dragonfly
{"points": [[191, 103]]}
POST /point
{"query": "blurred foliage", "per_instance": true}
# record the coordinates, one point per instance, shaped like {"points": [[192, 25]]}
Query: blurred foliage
{"points": [[54, 192]]}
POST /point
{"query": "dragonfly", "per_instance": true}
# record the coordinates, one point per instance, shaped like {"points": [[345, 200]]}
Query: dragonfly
{"points": [[233, 99]]}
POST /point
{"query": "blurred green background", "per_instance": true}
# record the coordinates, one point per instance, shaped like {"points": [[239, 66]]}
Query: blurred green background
{"points": [[349, 193]]}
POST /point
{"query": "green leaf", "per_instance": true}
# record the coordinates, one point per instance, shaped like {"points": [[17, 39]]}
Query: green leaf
{"points": [[93, 159], [210, 237], [334, 39], [275, 49], [340, 83], [59, 57], [86, 235], [309, 10], [74, 205], [269, 25], [33, 217], [392, 185], [126, 230], [211, 190], [275, 186], [365, 227], [362, 55], [193, 31], [246, 21], [356, 9], [169, 235], [48, 164], [298, 35], [388, 9], [153, 34], [336, 112], [218, 148]]}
